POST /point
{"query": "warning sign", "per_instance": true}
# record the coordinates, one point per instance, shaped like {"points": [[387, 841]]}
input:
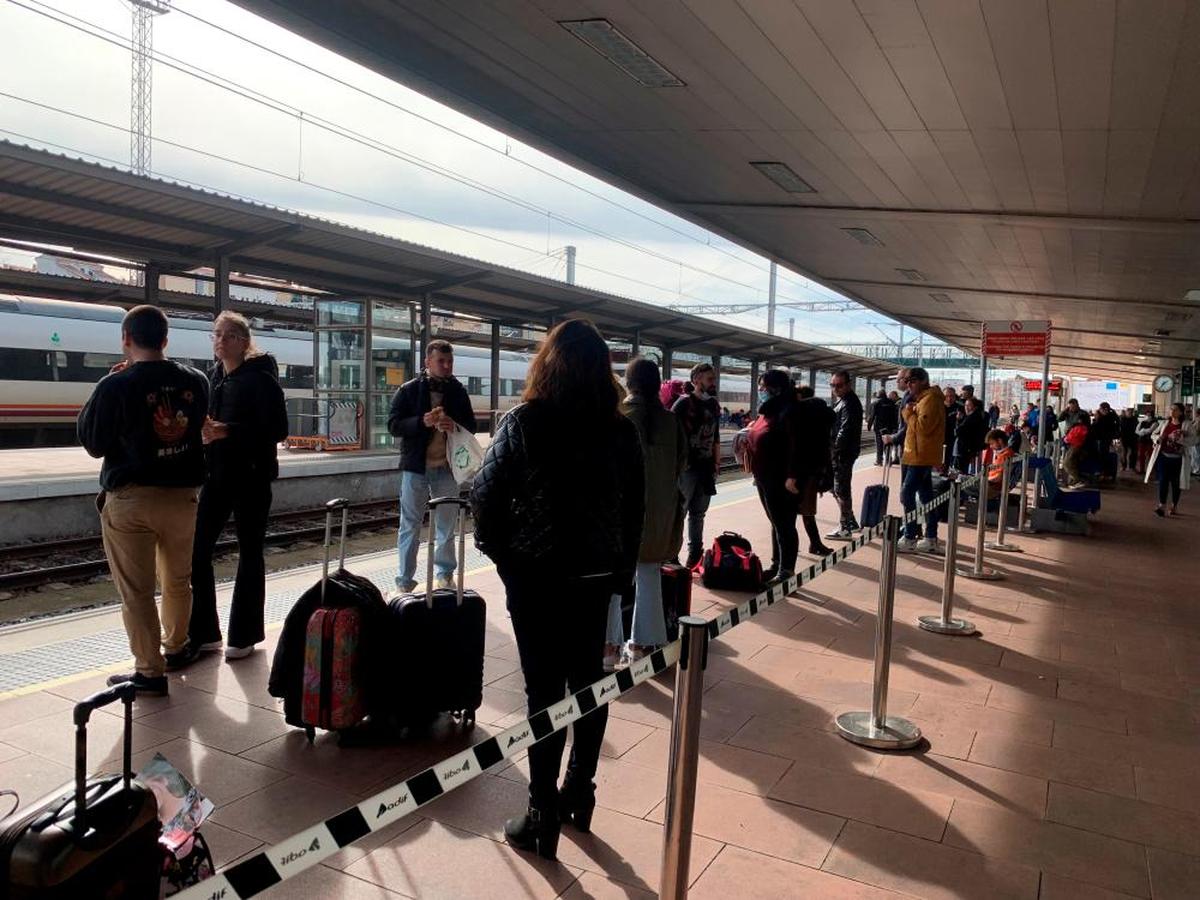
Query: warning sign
{"points": [[1016, 338]]}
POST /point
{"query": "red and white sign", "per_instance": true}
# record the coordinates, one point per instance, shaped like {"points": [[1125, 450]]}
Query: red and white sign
{"points": [[1016, 338]]}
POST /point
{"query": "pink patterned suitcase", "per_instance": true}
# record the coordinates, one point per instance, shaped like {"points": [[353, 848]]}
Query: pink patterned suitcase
{"points": [[333, 698]]}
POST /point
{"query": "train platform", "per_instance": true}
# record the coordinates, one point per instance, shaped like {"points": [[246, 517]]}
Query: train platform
{"points": [[49, 492], [1060, 758]]}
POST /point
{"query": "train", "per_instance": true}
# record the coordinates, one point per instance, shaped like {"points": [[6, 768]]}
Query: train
{"points": [[53, 351]]}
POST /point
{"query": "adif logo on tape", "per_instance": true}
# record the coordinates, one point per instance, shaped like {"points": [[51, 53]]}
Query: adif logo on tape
{"points": [[607, 689], [300, 854], [385, 808], [518, 737], [643, 667], [218, 895], [454, 773], [570, 710]]}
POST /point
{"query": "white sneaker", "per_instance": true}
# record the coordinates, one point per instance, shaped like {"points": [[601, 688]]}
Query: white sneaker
{"points": [[238, 652], [444, 583], [211, 645], [928, 545], [907, 545]]}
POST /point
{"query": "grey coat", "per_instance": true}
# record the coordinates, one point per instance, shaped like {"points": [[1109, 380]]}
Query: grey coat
{"points": [[664, 449]]}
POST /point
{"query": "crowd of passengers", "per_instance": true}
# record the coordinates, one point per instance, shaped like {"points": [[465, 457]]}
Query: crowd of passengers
{"points": [[588, 487]]}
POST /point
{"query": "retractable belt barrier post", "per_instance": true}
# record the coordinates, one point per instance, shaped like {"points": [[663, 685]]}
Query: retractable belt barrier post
{"points": [[1002, 513], [946, 623], [876, 728], [291, 856], [1023, 510], [685, 757], [978, 571]]}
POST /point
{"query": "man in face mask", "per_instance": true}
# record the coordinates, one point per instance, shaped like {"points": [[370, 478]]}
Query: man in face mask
{"points": [[423, 411], [700, 415]]}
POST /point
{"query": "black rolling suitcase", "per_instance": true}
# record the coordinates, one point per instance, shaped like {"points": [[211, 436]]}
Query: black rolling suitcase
{"points": [[437, 642], [875, 500], [97, 837]]}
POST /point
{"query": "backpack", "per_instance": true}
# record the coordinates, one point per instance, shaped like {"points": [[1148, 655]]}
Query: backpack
{"points": [[671, 391], [731, 564]]}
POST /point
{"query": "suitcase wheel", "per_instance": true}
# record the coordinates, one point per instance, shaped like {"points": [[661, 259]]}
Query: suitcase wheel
{"points": [[467, 716], [310, 733]]}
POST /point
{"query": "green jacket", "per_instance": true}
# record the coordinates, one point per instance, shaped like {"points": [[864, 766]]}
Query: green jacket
{"points": [[664, 448]]}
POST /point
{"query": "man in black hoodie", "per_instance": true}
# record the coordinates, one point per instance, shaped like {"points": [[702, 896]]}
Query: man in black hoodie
{"points": [[424, 410], [144, 418], [847, 444]]}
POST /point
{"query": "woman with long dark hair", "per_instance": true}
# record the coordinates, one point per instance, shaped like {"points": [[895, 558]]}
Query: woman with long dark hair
{"points": [[558, 505], [247, 418]]}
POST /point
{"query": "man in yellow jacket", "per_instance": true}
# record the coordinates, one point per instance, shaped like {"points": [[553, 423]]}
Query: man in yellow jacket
{"points": [[924, 418]]}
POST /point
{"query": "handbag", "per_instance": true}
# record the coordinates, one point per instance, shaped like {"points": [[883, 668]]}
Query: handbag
{"points": [[463, 453]]}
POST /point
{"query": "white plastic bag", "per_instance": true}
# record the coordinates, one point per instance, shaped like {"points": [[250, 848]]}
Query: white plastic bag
{"points": [[463, 453]]}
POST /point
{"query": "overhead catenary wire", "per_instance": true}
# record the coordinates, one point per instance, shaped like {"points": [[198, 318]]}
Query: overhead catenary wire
{"points": [[349, 134]]}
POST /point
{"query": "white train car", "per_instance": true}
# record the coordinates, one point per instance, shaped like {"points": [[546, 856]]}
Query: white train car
{"points": [[53, 351]]}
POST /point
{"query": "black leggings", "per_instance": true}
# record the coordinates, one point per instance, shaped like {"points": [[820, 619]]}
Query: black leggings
{"points": [[782, 507], [250, 503], [1169, 470], [562, 648]]}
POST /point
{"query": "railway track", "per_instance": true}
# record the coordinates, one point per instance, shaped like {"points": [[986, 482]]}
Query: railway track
{"points": [[14, 577]]}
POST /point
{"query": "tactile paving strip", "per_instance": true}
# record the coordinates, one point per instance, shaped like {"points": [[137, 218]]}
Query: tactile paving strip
{"points": [[105, 648]]}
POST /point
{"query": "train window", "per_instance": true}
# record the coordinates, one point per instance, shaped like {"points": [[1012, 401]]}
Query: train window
{"points": [[474, 385], [103, 361], [293, 377], [19, 364], [518, 385]]}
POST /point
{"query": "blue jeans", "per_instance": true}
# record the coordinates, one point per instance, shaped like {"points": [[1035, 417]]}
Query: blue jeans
{"points": [[416, 489], [918, 482], [649, 628]]}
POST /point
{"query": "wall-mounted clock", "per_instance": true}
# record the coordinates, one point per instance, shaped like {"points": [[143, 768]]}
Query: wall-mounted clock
{"points": [[1164, 384]]}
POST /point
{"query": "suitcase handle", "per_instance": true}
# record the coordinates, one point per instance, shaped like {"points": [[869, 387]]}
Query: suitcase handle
{"points": [[83, 712], [461, 527], [330, 508]]}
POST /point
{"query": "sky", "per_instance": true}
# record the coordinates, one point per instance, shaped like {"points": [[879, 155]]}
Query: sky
{"points": [[240, 119]]}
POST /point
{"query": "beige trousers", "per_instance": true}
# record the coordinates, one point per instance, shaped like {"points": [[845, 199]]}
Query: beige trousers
{"points": [[148, 531]]}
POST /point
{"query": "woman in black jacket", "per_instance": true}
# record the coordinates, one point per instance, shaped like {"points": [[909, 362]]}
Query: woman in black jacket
{"points": [[247, 418], [558, 505]]}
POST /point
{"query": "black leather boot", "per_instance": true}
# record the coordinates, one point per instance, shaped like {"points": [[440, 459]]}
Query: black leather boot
{"points": [[577, 802], [535, 832]]}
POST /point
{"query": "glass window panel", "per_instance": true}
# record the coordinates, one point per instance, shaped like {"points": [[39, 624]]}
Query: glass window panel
{"points": [[340, 312], [390, 363], [391, 317], [340, 359]]}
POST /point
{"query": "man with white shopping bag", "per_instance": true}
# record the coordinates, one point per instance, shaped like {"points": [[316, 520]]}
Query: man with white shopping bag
{"points": [[425, 412]]}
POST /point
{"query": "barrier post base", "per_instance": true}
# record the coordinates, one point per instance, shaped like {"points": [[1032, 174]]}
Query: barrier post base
{"points": [[897, 733], [947, 626], [1004, 548], [984, 574]]}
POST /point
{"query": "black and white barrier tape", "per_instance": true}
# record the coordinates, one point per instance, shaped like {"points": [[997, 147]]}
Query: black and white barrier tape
{"points": [[306, 848]]}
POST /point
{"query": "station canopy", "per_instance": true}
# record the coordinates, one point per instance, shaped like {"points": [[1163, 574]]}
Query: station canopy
{"points": [[946, 162], [52, 199]]}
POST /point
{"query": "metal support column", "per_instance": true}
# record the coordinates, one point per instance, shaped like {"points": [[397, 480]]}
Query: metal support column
{"points": [[812, 377], [426, 326], [754, 376], [946, 623], [1041, 435], [494, 400], [150, 288], [635, 346], [876, 728], [570, 264], [684, 757], [220, 285]]}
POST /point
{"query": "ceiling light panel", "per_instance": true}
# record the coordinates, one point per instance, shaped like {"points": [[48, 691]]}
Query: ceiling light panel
{"points": [[911, 274], [863, 236], [784, 177], [941, 298], [608, 40]]}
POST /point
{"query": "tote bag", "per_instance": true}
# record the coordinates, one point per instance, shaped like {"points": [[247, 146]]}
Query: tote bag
{"points": [[463, 453]]}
